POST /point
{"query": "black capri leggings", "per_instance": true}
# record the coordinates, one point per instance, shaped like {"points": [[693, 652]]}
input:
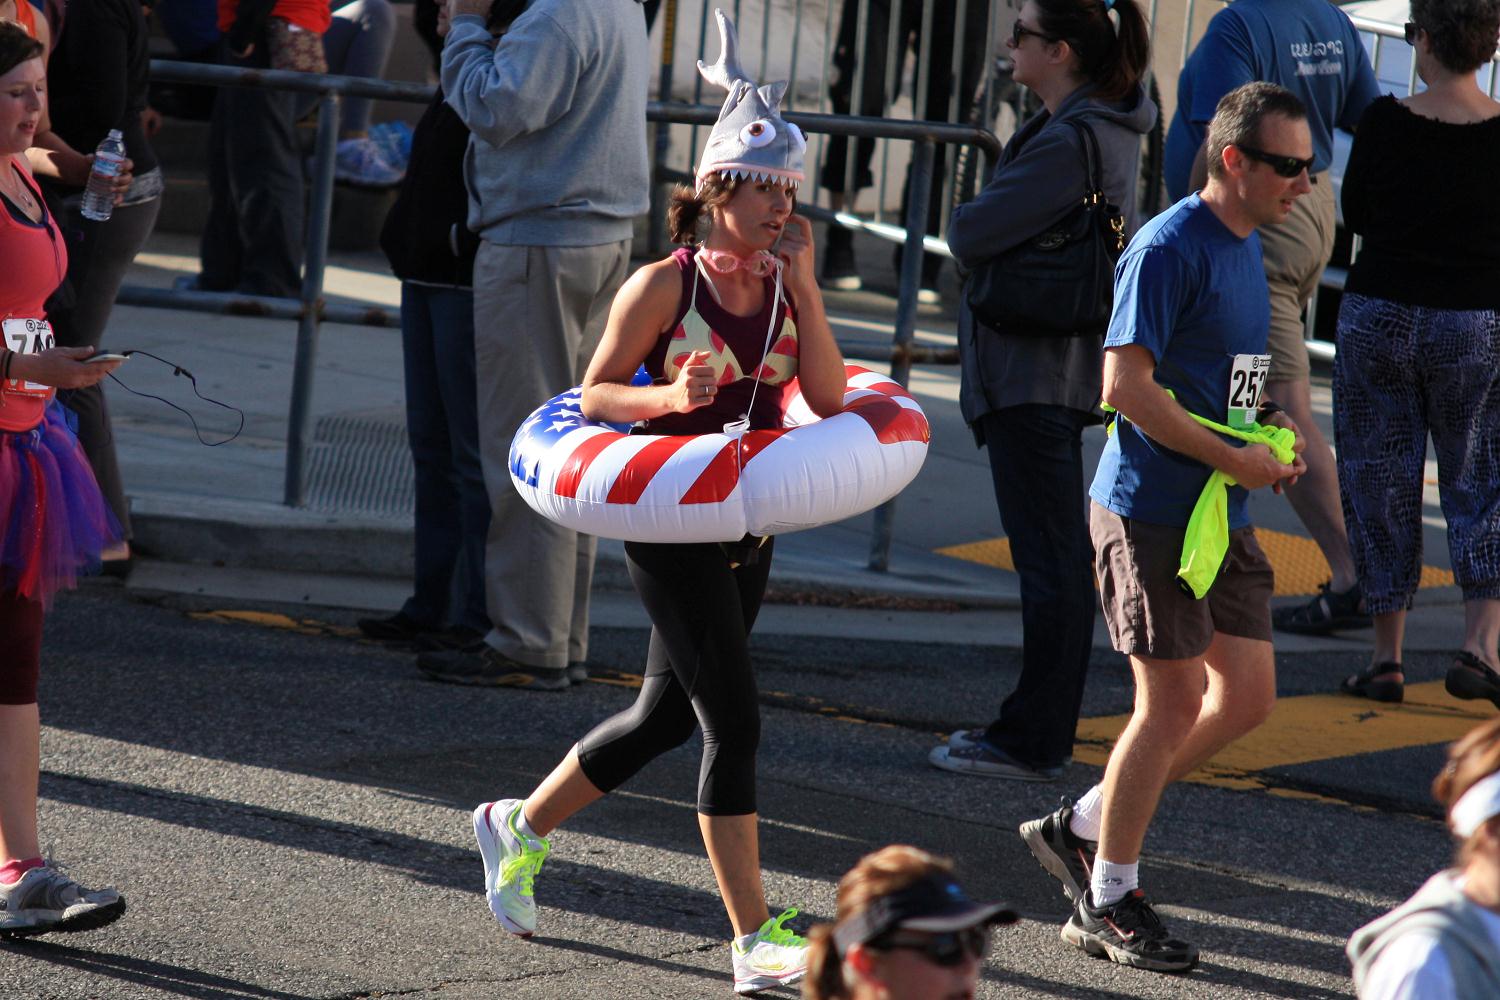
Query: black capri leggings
{"points": [[20, 660], [697, 674]]}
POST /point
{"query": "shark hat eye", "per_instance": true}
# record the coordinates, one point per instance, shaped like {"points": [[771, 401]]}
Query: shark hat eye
{"points": [[758, 133]]}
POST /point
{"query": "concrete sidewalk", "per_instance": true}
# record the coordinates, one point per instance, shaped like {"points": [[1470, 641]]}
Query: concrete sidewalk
{"points": [[218, 510]]}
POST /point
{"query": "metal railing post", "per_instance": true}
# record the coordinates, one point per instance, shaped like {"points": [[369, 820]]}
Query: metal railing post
{"points": [[299, 420], [917, 194], [656, 225]]}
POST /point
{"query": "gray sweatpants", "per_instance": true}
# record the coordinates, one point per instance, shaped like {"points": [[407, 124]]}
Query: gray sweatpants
{"points": [[539, 313]]}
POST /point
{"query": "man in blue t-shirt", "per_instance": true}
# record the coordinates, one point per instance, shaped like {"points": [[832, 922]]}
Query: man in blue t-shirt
{"points": [[1188, 336], [1311, 48]]}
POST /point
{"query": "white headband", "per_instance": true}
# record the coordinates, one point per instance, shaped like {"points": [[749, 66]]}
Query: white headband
{"points": [[1480, 803]]}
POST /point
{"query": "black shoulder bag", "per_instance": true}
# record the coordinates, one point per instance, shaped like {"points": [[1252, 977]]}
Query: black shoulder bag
{"points": [[1059, 283]]}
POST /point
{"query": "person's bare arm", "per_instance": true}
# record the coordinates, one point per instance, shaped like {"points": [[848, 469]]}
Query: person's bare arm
{"points": [[1131, 388], [820, 363], [642, 309]]}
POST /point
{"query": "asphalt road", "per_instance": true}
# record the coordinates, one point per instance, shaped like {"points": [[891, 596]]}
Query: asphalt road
{"points": [[287, 810]]}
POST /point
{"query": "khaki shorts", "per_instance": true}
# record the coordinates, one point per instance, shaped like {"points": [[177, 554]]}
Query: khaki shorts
{"points": [[1296, 251], [1148, 615]]}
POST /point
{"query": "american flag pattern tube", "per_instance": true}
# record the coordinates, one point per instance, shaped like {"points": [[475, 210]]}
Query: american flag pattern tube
{"points": [[598, 479]]}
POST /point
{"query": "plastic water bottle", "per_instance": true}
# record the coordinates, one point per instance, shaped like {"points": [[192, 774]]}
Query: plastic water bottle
{"points": [[99, 196]]}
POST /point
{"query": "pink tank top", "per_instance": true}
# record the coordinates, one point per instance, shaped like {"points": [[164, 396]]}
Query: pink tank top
{"points": [[36, 260]]}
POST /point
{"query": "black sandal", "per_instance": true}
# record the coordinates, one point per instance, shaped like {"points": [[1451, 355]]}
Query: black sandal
{"points": [[1325, 613], [1364, 684], [1470, 678]]}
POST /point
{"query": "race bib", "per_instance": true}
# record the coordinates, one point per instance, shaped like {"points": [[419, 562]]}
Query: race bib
{"points": [[1247, 378], [27, 336]]}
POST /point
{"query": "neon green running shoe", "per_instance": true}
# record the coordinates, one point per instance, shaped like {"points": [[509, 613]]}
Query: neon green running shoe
{"points": [[776, 956], [511, 861]]}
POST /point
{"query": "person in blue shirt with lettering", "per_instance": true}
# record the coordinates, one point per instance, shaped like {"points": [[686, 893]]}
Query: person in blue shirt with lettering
{"points": [[1189, 322], [1310, 48]]}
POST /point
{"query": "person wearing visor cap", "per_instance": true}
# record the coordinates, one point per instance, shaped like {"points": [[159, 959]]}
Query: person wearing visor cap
{"points": [[905, 931], [1444, 942]]}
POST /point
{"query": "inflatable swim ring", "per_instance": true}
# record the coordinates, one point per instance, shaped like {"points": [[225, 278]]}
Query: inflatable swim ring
{"points": [[599, 479]]}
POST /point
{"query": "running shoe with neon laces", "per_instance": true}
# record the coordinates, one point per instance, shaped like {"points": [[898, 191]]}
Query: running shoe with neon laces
{"points": [[45, 900], [776, 956], [1067, 857], [1128, 933], [511, 861]]}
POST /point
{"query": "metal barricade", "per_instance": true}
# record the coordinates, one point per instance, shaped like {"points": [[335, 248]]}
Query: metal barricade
{"points": [[310, 309]]}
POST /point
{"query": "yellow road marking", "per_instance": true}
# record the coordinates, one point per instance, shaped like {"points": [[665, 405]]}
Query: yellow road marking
{"points": [[1313, 727], [269, 619], [1299, 563]]}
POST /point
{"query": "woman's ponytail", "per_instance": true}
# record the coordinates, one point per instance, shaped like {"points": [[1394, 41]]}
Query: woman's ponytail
{"points": [[1112, 41]]}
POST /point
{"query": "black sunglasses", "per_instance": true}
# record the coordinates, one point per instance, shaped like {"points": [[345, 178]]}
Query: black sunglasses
{"points": [[1285, 166], [1409, 30], [947, 949], [1019, 31]]}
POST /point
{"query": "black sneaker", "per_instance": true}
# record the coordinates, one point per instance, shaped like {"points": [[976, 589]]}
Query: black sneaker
{"points": [[490, 668], [453, 637], [399, 627], [1066, 856], [1128, 933], [1328, 612], [839, 269]]}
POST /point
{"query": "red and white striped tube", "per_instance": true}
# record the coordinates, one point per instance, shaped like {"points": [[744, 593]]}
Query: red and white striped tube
{"points": [[716, 487]]}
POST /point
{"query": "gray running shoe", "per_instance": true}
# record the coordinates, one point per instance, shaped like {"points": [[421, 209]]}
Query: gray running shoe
{"points": [[1066, 856], [45, 900], [489, 667], [578, 672], [979, 759]]}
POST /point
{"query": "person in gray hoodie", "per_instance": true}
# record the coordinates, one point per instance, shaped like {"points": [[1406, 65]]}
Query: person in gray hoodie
{"points": [[1028, 398], [1444, 942], [556, 171]]}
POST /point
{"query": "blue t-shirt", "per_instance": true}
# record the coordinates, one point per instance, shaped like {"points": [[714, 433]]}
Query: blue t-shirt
{"points": [[1193, 294], [1307, 46]]}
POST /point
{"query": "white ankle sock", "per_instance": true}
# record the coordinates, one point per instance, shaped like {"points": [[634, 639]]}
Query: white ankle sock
{"points": [[523, 826], [1111, 882], [1088, 814], [746, 940]]}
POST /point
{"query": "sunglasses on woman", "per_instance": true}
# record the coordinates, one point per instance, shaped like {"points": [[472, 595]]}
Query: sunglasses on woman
{"points": [[1284, 166], [947, 949], [1019, 31]]}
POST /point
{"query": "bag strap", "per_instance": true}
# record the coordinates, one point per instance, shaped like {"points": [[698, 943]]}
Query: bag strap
{"points": [[1093, 166]]}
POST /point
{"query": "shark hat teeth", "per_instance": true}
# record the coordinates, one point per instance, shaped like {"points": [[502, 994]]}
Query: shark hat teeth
{"points": [[750, 139]]}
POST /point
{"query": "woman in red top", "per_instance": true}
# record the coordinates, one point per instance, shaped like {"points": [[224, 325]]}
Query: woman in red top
{"points": [[53, 520]]}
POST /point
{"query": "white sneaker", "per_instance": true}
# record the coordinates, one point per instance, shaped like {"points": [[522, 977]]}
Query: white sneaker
{"points": [[775, 957], [963, 739], [511, 861]]}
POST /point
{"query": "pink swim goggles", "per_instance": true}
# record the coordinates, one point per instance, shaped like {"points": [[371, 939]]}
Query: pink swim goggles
{"points": [[760, 263]]}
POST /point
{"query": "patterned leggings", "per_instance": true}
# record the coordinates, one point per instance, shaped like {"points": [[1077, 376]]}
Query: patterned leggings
{"points": [[1400, 372]]}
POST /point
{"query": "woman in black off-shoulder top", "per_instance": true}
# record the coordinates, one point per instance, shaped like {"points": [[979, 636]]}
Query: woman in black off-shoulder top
{"points": [[1419, 343]]}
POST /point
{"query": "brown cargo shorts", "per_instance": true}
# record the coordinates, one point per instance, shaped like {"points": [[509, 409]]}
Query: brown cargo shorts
{"points": [[1149, 615]]}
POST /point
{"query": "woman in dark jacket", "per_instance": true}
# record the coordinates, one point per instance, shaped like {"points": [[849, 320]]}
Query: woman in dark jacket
{"points": [[428, 242], [1028, 398], [97, 78]]}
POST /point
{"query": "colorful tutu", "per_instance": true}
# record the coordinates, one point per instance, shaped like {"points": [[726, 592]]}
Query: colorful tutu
{"points": [[54, 522]]}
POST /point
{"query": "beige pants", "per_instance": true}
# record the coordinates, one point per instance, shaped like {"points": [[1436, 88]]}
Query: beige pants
{"points": [[1296, 252], [539, 313]]}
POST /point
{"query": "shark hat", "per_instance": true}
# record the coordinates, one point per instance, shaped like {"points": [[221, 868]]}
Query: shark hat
{"points": [[751, 140]]}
